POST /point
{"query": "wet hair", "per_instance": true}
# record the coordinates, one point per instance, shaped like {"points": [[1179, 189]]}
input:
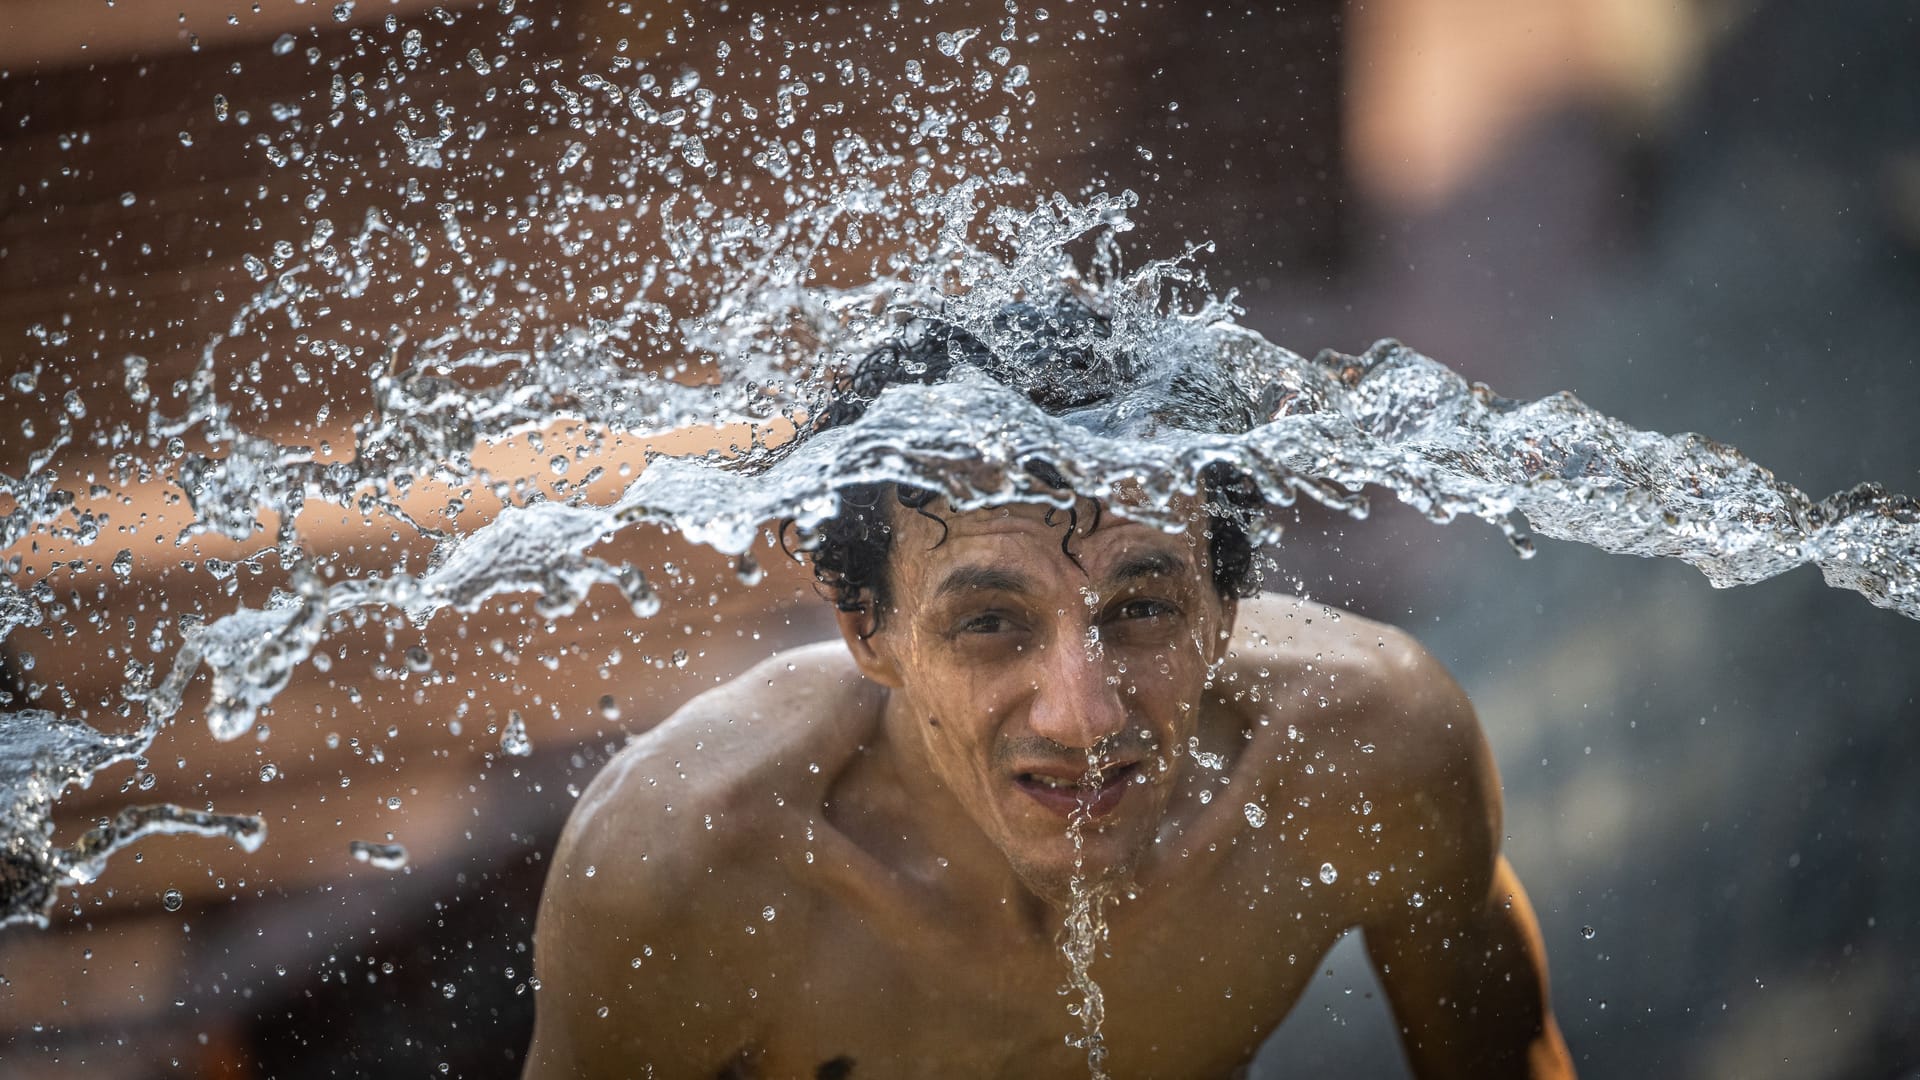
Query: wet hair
{"points": [[1054, 359]]}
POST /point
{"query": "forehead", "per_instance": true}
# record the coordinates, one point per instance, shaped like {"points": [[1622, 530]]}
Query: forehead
{"points": [[1019, 536]]}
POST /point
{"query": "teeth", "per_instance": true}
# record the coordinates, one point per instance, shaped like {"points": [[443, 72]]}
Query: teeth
{"points": [[1069, 784], [1053, 782]]}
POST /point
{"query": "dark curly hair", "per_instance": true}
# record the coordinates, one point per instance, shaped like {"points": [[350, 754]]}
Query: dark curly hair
{"points": [[1054, 361]]}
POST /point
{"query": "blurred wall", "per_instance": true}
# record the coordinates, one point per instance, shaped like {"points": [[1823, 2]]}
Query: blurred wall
{"points": [[1718, 785]]}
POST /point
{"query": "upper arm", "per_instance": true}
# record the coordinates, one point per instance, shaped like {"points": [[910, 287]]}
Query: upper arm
{"points": [[1455, 942]]}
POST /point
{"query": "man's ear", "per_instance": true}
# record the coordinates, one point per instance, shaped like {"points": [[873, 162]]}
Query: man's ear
{"points": [[857, 629]]}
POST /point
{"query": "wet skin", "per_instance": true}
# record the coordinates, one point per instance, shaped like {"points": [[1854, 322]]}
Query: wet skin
{"points": [[900, 802]]}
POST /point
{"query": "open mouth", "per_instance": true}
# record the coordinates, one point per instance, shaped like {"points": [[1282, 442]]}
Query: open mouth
{"points": [[1064, 794]]}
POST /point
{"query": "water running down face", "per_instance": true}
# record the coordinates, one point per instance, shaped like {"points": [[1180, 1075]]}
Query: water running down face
{"points": [[1039, 685]]}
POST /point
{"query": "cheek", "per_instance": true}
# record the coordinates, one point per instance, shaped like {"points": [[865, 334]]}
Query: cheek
{"points": [[959, 755], [1175, 659], [1164, 684], [954, 720]]}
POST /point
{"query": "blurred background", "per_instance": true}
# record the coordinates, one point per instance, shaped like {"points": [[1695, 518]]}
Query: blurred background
{"points": [[1696, 214]]}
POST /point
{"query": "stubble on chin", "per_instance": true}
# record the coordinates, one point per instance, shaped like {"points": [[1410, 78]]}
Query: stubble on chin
{"points": [[1101, 871]]}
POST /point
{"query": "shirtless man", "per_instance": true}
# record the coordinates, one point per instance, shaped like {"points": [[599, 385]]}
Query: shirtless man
{"points": [[855, 860]]}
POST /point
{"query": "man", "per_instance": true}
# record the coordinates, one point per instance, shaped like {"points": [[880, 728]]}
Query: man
{"points": [[858, 858]]}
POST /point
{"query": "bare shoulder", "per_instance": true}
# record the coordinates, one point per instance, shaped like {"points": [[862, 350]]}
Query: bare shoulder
{"points": [[686, 792], [1342, 674], [1387, 729], [678, 831]]}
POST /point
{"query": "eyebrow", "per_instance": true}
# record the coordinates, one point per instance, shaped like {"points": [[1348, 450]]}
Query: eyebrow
{"points": [[1157, 564], [982, 579], [964, 579]]}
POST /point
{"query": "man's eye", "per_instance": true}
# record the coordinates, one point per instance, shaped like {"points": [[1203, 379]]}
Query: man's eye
{"points": [[1145, 609], [985, 624]]}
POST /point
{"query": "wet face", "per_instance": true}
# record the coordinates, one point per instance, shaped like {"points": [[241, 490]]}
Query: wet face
{"points": [[1040, 693]]}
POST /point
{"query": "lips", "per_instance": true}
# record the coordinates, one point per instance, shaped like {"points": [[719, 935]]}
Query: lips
{"points": [[1060, 791]]}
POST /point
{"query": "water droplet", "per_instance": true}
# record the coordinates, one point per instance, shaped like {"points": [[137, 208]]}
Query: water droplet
{"points": [[609, 708], [640, 596], [1588, 932], [951, 44], [343, 11], [749, 570], [513, 737], [767, 913], [284, 44], [378, 856], [269, 773], [172, 900], [419, 659], [123, 564], [1417, 900], [1328, 875], [1256, 816]]}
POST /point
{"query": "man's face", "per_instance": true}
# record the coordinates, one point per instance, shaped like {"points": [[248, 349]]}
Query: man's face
{"points": [[1048, 693]]}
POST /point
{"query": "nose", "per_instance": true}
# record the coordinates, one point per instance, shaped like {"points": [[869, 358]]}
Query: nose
{"points": [[1073, 702]]}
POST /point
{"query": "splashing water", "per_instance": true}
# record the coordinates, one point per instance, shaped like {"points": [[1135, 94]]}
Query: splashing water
{"points": [[41, 755], [760, 304]]}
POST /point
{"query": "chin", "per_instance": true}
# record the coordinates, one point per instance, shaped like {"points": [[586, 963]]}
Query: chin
{"points": [[1108, 854]]}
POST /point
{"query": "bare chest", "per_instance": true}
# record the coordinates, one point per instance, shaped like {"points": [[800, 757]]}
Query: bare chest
{"points": [[1187, 986]]}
